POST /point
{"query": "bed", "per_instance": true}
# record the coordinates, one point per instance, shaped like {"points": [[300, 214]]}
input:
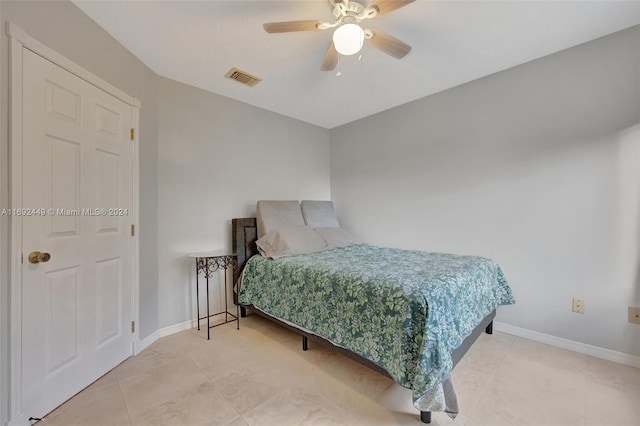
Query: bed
{"points": [[410, 315]]}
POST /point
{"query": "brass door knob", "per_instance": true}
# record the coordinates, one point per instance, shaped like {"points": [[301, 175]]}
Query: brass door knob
{"points": [[37, 257]]}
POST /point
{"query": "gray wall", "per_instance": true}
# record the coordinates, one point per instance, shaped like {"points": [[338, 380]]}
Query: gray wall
{"points": [[536, 167], [216, 157], [63, 27]]}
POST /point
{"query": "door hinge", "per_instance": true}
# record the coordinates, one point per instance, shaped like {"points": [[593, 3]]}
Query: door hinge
{"points": [[133, 230], [133, 326], [133, 133]]}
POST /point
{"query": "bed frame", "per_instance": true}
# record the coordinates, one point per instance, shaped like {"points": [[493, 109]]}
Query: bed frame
{"points": [[245, 234]]}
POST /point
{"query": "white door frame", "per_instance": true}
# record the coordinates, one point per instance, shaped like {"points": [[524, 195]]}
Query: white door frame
{"points": [[19, 40]]}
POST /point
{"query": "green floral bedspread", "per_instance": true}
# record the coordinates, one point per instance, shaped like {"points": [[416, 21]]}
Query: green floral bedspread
{"points": [[404, 310]]}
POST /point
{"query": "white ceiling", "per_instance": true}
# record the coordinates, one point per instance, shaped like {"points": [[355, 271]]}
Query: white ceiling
{"points": [[197, 42]]}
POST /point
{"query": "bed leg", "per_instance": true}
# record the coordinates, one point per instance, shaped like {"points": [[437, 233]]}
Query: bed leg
{"points": [[243, 312], [489, 329], [425, 416], [305, 343]]}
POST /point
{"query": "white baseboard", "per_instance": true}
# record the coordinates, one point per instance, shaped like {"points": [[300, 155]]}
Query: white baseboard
{"points": [[559, 342], [176, 328], [141, 344], [583, 348]]}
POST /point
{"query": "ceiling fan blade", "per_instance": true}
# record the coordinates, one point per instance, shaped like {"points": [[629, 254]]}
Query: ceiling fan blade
{"points": [[386, 6], [389, 44], [330, 59], [291, 26]]}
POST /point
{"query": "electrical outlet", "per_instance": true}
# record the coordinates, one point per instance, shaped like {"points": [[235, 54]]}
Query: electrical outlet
{"points": [[634, 315], [578, 306]]}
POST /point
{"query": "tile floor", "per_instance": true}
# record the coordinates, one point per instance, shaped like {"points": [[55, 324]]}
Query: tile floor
{"points": [[260, 376]]}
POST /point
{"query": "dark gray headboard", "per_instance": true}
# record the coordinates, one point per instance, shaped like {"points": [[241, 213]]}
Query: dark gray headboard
{"points": [[244, 233]]}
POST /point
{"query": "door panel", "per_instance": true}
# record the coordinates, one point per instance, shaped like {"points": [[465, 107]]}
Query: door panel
{"points": [[64, 177], [108, 122], [107, 174], [108, 289], [62, 300], [63, 104]]}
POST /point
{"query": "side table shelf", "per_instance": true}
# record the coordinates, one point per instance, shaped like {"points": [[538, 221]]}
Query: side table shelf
{"points": [[207, 264]]}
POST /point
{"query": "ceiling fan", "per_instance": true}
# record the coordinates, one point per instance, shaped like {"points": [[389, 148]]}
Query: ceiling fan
{"points": [[349, 36]]}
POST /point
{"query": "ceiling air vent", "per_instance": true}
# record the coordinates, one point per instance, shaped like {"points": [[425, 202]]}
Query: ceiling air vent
{"points": [[242, 77]]}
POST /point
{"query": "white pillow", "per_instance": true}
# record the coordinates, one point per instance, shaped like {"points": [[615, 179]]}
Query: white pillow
{"points": [[290, 242], [273, 215], [319, 214], [336, 237]]}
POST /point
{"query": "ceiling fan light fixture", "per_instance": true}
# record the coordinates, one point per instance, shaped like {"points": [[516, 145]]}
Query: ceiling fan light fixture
{"points": [[348, 39]]}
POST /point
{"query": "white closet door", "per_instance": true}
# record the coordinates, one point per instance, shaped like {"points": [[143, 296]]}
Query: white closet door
{"points": [[77, 176]]}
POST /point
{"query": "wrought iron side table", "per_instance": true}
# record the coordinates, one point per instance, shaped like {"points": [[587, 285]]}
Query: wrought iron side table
{"points": [[207, 263]]}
